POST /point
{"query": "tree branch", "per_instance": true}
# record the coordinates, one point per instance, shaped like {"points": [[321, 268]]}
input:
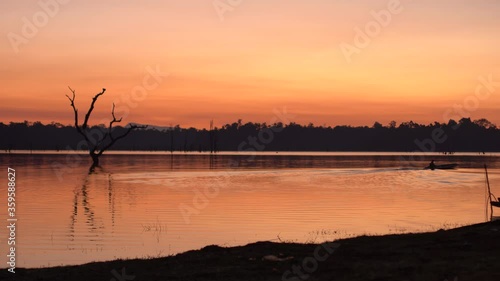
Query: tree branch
{"points": [[72, 100], [87, 116], [114, 120], [114, 140]]}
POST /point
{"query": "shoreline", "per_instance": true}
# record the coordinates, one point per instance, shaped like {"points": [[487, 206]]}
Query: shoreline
{"points": [[256, 153], [464, 253]]}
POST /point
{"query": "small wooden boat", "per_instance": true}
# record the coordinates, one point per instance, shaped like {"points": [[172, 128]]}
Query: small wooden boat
{"points": [[442, 167]]}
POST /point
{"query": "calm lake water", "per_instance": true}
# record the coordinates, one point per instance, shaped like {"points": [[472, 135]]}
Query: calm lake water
{"points": [[160, 204]]}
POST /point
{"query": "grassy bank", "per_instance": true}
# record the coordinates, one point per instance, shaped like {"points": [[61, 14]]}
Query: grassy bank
{"points": [[466, 253]]}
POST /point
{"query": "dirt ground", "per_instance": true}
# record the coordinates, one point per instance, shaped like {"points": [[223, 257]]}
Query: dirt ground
{"points": [[466, 253]]}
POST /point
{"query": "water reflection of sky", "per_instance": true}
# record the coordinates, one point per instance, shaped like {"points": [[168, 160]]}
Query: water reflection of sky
{"points": [[135, 206]]}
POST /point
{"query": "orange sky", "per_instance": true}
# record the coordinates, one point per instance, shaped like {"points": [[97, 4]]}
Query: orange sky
{"points": [[254, 58]]}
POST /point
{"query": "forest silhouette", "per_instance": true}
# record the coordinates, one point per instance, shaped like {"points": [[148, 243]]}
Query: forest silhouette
{"points": [[464, 135]]}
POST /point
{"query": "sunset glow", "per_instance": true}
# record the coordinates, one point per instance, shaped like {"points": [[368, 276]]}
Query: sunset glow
{"points": [[253, 58]]}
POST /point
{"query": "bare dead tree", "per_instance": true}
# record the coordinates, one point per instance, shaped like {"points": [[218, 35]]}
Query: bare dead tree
{"points": [[98, 146]]}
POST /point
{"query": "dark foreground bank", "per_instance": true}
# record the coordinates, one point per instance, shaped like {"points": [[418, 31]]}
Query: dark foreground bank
{"points": [[466, 253]]}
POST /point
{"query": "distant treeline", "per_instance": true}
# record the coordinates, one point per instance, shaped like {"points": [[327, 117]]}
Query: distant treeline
{"points": [[464, 135]]}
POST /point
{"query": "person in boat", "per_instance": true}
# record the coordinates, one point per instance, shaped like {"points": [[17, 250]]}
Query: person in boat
{"points": [[432, 166]]}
